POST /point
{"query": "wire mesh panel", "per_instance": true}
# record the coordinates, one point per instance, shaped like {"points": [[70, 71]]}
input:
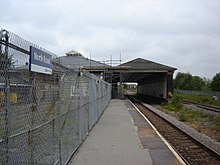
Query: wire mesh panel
{"points": [[44, 117]]}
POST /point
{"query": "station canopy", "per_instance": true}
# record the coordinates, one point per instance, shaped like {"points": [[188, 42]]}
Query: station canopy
{"points": [[137, 69]]}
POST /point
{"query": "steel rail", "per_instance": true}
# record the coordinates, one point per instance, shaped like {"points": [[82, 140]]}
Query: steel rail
{"points": [[203, 106]]}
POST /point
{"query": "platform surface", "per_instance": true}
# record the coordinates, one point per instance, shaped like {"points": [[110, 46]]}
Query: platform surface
{"points": [[122, 137]]}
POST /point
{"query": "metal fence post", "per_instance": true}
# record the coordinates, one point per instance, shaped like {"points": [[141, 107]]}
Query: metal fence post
{"points": [[7, 63], [30, 144], [53, 142], [78, 109], [33, 108]]}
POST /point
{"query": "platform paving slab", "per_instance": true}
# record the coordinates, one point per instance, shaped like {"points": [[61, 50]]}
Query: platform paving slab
{"points": [[123, 137], [113, 140], [159, 152]]}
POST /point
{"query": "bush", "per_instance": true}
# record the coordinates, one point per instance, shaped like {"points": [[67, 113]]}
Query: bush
{"points": [[174, 103], [176, 100]]}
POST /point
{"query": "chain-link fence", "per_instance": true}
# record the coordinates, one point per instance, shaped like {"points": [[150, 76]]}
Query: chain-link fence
{"points": [[44, 118]]}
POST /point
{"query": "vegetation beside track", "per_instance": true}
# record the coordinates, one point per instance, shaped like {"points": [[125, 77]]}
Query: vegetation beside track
{"points": [[206, 100], [201, 121]]}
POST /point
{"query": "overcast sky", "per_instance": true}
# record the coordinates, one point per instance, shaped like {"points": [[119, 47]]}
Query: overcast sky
{"points": [[180, 33]]}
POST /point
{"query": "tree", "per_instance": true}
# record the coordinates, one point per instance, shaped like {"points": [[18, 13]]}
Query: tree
{"points": [[183, 81], [207, 85], [215, 84], [186, 81], [197, 83]]}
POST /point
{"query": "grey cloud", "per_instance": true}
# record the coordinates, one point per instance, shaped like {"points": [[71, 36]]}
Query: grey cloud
{"points": [[184, 34]]}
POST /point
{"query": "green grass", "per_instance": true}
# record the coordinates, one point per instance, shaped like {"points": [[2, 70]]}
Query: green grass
{"points": [[190, 115], [201, 99], [216, 120], [186, 114]]}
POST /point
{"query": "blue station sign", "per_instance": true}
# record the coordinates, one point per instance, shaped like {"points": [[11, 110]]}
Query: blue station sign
{"points": [[40, 61]]}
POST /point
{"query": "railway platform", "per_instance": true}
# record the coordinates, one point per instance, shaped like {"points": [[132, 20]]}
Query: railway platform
{"points": [[123, 137]]}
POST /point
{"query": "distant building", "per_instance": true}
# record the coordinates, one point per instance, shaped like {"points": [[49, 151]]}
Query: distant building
{"points": [[74, 59]]}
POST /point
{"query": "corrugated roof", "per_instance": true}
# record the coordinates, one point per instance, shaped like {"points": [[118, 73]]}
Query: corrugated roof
{"points": [[142, 64], [79, 61]]}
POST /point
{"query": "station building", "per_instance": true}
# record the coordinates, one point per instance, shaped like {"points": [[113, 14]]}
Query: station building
{"points": [[152, 78]]}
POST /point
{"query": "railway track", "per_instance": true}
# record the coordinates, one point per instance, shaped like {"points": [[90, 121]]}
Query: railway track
{"points": [[205, 107], [191, 150]]}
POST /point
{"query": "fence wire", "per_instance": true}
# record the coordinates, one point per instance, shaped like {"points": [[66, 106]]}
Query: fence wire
{"points": [[44, 118]]}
